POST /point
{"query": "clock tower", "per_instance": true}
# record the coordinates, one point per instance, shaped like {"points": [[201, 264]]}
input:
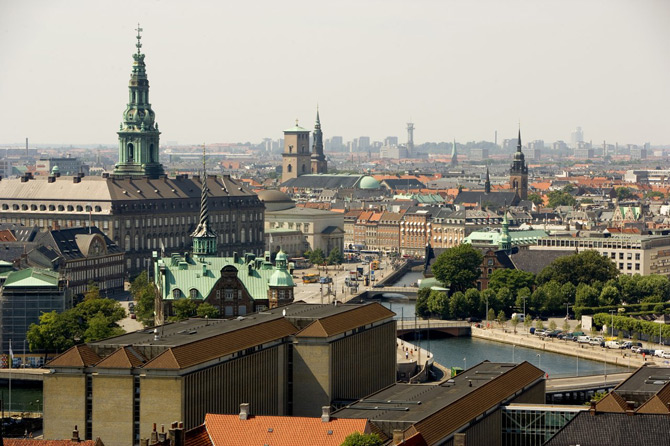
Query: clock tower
{"points": [[296, 154], [518, 174], [138, 134]]}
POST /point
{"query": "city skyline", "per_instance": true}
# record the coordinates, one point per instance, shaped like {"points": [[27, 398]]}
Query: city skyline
{"points": [[454, 69]]}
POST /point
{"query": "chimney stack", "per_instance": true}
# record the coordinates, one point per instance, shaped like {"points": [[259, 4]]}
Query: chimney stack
{"points": [[592, 410], [459, 439], [75, 434], [244, 411], [630, 407], [325, 414], [153, 439], [176, 434], [398, 436]]}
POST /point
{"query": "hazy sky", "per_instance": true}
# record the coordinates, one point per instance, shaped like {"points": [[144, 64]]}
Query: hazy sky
{"points": [[223, 71]]}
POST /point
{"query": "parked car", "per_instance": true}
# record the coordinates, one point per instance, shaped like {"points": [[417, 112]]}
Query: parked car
{"points": [[531, 330], [631, 344], [597, 341], [552, 333], [472, 319], [613, 344], [540, 332], [583, 339], [659, 353], [665, 355]]}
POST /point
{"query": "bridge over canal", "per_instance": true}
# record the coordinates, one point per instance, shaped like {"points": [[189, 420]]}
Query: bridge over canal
{"points": [[411, 328]]}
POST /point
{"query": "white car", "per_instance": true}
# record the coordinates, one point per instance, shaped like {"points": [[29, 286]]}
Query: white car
{"points": [[665, 355]]}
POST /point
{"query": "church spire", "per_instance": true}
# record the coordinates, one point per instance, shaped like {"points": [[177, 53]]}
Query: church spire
{"points": [[454, 155], [487, 182], [318, 159], [138, 135], [518, 144], [204, 238]]}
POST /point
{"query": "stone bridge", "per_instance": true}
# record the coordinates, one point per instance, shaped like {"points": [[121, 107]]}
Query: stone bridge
{"points": [[411, 328]]}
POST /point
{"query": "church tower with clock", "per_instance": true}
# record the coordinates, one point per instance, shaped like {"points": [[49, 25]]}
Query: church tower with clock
{"points": [[138, 134], [518, 174]]}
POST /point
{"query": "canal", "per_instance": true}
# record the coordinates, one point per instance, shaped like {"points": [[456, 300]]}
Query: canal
{"points": [[466, 351]]}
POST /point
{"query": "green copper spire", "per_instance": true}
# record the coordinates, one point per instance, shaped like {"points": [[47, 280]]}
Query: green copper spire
{"points": [[505, 241], [319, 163], [204, 238], [138, 135]]}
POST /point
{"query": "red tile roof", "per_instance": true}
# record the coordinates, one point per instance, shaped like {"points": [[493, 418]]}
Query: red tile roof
{"points": [[198, 436], [229, 430]]}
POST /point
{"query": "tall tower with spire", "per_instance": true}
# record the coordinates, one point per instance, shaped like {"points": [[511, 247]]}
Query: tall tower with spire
{"points": [[487, 182], [518, 174], [410, 139], [454, 155], [204, 237], [319, 163], [138, 134]]}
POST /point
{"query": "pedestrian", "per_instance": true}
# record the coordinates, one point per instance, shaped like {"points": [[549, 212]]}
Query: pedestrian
{"points": [[406, 355]]}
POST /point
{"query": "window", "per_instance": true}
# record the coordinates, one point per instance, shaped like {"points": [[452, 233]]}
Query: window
{"points": [[176, 293], [228, 294], [193, 293], [613, 255], [637, 256], [629, 266], [621, 265], [621, 256], [637, 267]]}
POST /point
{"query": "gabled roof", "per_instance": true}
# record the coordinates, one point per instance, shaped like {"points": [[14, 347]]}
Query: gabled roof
{"points": [[229, 430], [657, 403], [32, 277], [534, 260], [613, 402], [198, 436], [607, 429], [123, 358], [77, 356], [497, 198], [74, 243], [357, 316], [207, 349]]}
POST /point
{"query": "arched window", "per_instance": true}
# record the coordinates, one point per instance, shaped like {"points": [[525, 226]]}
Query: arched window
{"points": [[61, 208], [303, 168], [126, 243], [52, 207], [289, 168], [137, 241], [242, 235], [176, 293], [193, 293], [131, 151]]}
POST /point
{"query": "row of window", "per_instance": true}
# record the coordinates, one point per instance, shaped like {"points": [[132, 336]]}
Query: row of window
{"points": [[629, 255], [97, 273], [180, 240], [52, 207]]}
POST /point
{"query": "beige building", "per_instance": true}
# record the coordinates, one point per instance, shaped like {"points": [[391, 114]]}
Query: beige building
{"points": [[632, 254], [287, 361], [322, 229]]}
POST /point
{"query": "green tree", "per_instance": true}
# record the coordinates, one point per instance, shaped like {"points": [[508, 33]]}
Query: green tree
{"points": [[438, 304], [316, 256], [458, 267], [512, 279], [552, 325], [553, 298], [458, 306], [207, 310], [144, 294], [54, 333], [421, 305], [566, 326], [502, 318], [536, 199], [586, 296], [473, 296], [569, 292], [539, 325], [560, 198], [183, 308], [358, 439], [515, 321], [527, 322], [624, 193], [335, 257], [92, 291], [610, 295], [110, 309], [586, 267], [99, 327], [505, 297], [491, 315]]}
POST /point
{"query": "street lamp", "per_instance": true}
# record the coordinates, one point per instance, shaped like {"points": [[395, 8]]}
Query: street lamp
{"points": [[465, 363], [539, 356], [524, 307], [487, 311], [612, 313]]}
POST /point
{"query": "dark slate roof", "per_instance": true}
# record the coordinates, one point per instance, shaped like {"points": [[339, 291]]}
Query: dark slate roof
{"points": [[9, 252], [613, 429], [323, 181], [534, 260], [64, 241], [477, 196], [332, 230], [399, 183], [21, 233]]}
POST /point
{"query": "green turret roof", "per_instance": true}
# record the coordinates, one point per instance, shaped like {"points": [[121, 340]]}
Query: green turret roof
{"points": [[368, 182]]}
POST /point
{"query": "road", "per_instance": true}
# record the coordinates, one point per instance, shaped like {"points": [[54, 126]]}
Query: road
{"points": [[589, 382]]}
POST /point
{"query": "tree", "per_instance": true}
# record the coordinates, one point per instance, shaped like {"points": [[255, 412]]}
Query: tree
{"points": [[458, 306], [421, 305], [491, 315], [586, 267], [512, 279], [100, 328], [473, 298], [92, 291], [144, 294], [358, 439], [183, 308], [536, 199], [515, 321], [586, 296], [316, 257], [54, 333], [207, 310], [610, 296], [527, 322], [458, 267], [539, 325], [552, 325], [560, 198], [624, 193], [505, 297], [335, 257], [566, 326], [438, 304], [502, 318]]}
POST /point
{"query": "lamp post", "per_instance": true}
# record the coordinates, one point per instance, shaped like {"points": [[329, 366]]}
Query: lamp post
{"points": [[612, 330], [524, 307], [465, 363], [513, 345], [487, 311], [539, 358]]}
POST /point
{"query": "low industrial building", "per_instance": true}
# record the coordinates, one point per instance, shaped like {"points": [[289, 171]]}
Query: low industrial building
{"points": [[287, 361]]}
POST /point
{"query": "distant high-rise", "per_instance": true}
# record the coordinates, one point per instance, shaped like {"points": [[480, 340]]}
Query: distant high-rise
{"points": [[138, 135], [391, 141], [454, 155], [364, 143], [410, 138], [576, 137]]}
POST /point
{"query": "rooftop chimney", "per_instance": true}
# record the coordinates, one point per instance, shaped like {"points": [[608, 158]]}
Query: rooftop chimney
{"points": [[244, 411], [153, 439], [398, 436], [630, 407], [592, 410], [325, 414], [176, 434], [459, 439], [75, 434]]}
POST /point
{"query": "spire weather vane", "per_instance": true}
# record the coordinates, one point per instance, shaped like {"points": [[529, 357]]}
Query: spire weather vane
{"points": [[139, 37]]}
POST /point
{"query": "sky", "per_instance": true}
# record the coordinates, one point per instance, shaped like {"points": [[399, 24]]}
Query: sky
{"points": [[222, 71]]}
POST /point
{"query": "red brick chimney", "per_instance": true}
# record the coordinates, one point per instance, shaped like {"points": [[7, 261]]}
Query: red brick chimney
{"points": [[75, 434]]}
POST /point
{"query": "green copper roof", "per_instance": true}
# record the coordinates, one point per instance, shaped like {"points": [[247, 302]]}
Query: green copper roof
{"points": [[32, 277], [494, 237], [203, 272], [296, 128], [369, 182], [281, 279]]}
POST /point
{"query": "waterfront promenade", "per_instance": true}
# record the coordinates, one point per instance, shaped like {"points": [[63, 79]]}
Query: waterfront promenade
{"points": [[623, 358]]}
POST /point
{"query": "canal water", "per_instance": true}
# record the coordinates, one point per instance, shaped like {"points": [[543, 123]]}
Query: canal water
{"points": [[466, 351]]}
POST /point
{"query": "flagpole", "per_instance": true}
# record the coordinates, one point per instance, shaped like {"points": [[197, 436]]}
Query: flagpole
{"points": [[11, 359]]}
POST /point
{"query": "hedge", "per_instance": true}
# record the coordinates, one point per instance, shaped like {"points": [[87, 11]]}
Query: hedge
{"points": [[631, 325], [633, 308]]}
